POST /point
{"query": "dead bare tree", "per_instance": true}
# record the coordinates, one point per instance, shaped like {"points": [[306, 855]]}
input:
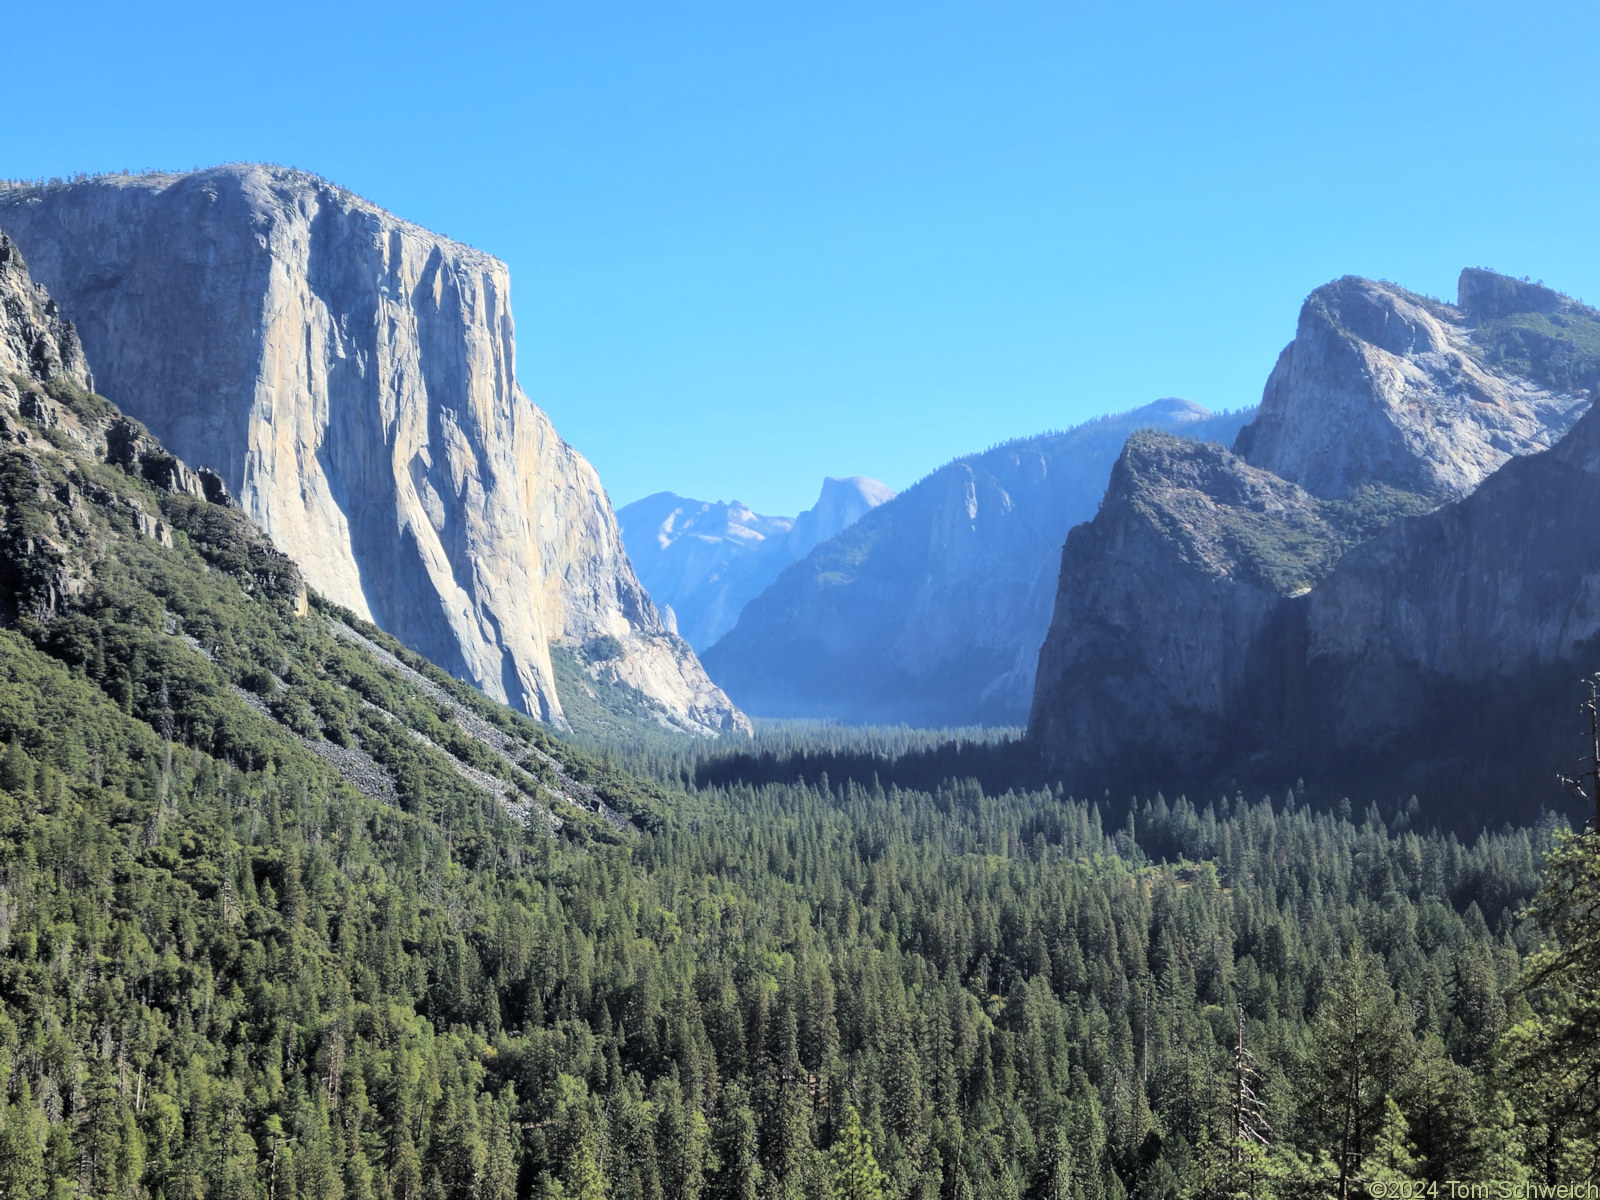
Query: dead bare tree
{"points": [[1249, 1111], [1592, 793]]}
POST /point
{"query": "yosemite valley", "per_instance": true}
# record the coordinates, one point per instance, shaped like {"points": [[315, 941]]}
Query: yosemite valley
{"points": [[1168, 805]]}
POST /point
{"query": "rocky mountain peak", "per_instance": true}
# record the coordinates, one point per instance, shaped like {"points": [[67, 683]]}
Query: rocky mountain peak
{"points": [[1174, 409], [931, 608], [1378, 314], [840, 504], [1381, 385], [704, 560], [1221, 515], [1181, 642]]}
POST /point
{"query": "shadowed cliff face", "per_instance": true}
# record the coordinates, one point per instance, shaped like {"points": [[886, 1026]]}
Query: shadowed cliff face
{"points": [[1188, 564], [930, 609], [1501, 584], [1387, 535], [352, 378]]}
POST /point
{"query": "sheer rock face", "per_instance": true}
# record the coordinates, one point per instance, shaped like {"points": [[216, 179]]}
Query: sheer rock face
{"points": [[1441, 657], [351, 377], [840, 504], [35, 340], [1503, 581], [1383, 386], [707, 559], [931, 608], [1293, 606], [1190, 558]]}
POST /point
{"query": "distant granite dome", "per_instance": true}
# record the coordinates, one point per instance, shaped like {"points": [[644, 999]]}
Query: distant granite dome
{"points": [[1297, 606], [1174, 409], [704, 560], [842, 503], [930, 609], [352, 376]]}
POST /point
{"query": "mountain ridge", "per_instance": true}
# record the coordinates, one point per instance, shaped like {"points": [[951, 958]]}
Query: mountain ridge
{"points": [[1206, 670], [706, 559], [929, 610]]}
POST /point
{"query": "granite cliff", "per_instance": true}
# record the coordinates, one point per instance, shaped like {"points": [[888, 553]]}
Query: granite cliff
{"points": [[1384, 386], [704, 560], [351, 378], [1271, 611], [930, 609]]}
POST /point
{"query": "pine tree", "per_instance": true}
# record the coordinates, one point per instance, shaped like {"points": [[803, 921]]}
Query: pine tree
{"points": [[584, 1180], [1551, 1059], [1361, 1049], [681, 1138], [1248, 1117], [853, 1172], [1499, 1150], [738, 1175], [22, 1166], [500, 1163], [1393, 1158]]}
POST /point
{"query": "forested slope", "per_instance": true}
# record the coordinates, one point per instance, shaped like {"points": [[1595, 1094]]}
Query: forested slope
{"points": [[287, 912]]}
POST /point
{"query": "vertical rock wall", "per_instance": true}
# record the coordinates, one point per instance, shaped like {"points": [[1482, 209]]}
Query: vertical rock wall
{"points": [[1302, 603], [352, 378]]}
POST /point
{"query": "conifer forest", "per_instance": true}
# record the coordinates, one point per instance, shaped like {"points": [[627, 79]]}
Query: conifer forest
{"points": [[232, 965]]}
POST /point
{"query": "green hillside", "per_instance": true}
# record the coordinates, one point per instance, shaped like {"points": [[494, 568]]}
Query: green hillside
{"points": [[287, 912]]}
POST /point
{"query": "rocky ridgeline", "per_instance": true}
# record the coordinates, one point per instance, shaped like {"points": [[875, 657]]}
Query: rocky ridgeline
{"points": [[46, 389], [1384, 539], [705, 560], [1384, 386], [351, 377], [36, 342], [931, 608]]}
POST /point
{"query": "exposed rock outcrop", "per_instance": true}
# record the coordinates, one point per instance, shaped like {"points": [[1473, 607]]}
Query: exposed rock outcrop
{"points": [[1446, 651], [1395, 534], [36, 342], [930, 609], [1384, 386], [706, 559], [61, 519], [351, 378]]}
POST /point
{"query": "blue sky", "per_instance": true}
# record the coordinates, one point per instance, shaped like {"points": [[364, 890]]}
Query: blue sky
{"points": [[756, 243]]}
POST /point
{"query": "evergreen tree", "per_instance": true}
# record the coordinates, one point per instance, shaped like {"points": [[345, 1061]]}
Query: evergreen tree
{"points": [[738, 1173], [853, 1172], [22, 1137], [1393, 1159], [584, 1179], [1361, 1050], [1551, 1058]]}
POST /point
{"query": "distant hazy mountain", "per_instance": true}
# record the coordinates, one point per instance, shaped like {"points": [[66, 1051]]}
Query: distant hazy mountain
{"points": [[1390, 580], [706, 559], [931, 609]]}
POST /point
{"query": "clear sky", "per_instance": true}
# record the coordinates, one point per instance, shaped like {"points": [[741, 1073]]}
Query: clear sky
{"points": [[757, 243]]}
